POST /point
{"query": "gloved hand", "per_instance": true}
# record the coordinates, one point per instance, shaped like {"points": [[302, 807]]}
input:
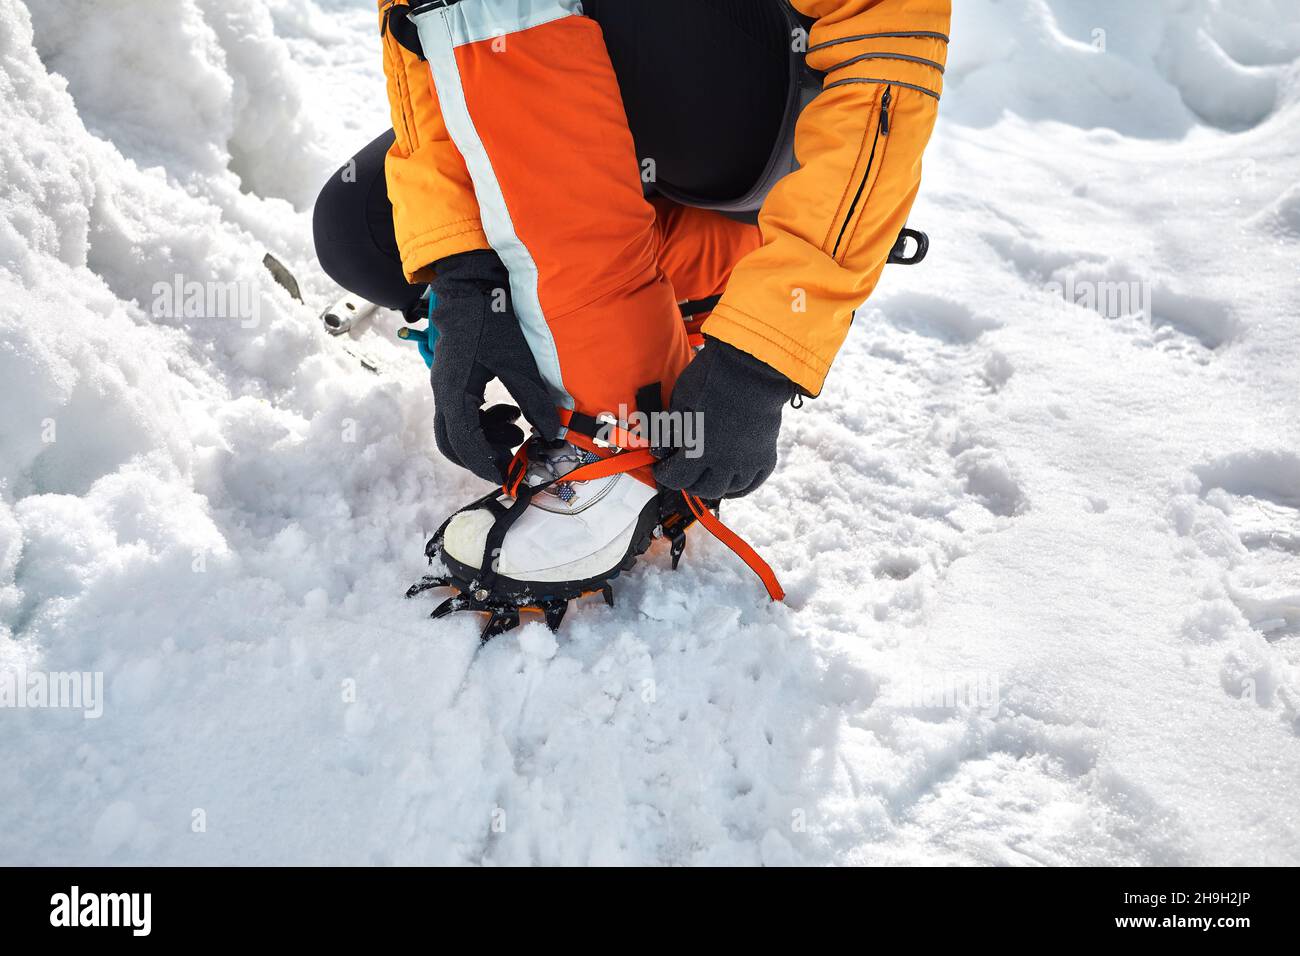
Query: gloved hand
{"points": [[480, 339], [739, 400]]}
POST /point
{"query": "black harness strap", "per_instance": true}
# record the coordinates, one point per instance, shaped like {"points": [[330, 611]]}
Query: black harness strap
{"points": [[585, 425], [649, 399], [700, 306], [497, 536]]}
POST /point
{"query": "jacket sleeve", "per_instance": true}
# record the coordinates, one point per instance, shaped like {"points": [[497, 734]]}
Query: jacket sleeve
{"points": [[435, 211], [829, 227]]}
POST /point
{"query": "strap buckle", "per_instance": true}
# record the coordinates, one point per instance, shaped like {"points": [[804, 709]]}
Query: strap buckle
{"points": [[608, 424]]}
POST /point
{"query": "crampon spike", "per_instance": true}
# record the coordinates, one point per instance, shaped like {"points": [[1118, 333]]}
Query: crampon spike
{"points": [[429, 583], [450, 606], [501, 621], [607, 592], [678, 548], [554, 612]]}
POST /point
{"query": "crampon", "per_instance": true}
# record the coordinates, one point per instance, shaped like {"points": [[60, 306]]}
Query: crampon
{"points": [[504, 600]]}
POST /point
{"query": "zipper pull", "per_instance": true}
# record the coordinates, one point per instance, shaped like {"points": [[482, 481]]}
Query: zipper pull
{"points": [[884, 110]]}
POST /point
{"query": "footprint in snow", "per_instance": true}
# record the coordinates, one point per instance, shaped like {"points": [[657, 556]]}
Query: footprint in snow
{"points": [[947, 320], [1259, 491]]}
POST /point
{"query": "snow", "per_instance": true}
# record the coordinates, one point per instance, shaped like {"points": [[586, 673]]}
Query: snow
{"points": [[1041, 538]]}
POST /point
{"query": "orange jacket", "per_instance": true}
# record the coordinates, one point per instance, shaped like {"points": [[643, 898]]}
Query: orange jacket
{"points": [[827, 228]]}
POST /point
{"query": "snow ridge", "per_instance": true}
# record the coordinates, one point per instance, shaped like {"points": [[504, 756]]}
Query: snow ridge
{"points": [[1039, 535]]}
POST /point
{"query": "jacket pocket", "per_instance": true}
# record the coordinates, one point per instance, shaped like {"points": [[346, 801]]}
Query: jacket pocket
{"points": [[875, 158]]}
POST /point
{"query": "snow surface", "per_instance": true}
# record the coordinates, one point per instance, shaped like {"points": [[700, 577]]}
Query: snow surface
{"points": [[1084, 522]]}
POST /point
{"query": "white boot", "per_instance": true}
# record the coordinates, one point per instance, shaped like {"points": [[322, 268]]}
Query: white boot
{"points": [[571, 536]]}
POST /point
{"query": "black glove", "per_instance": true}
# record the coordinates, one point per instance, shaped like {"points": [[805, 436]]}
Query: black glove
{"points": [[480, 339], [739, 401]]}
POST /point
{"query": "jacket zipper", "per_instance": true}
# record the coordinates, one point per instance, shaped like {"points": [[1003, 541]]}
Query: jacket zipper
{"points": [[406, 135], [882, 129]]}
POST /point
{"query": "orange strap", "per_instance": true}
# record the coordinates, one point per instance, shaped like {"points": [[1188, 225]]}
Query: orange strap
{"points": [[516, 472], [614, 465], [605, 468], [618, 436], [643, 458], [737, 544]]}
